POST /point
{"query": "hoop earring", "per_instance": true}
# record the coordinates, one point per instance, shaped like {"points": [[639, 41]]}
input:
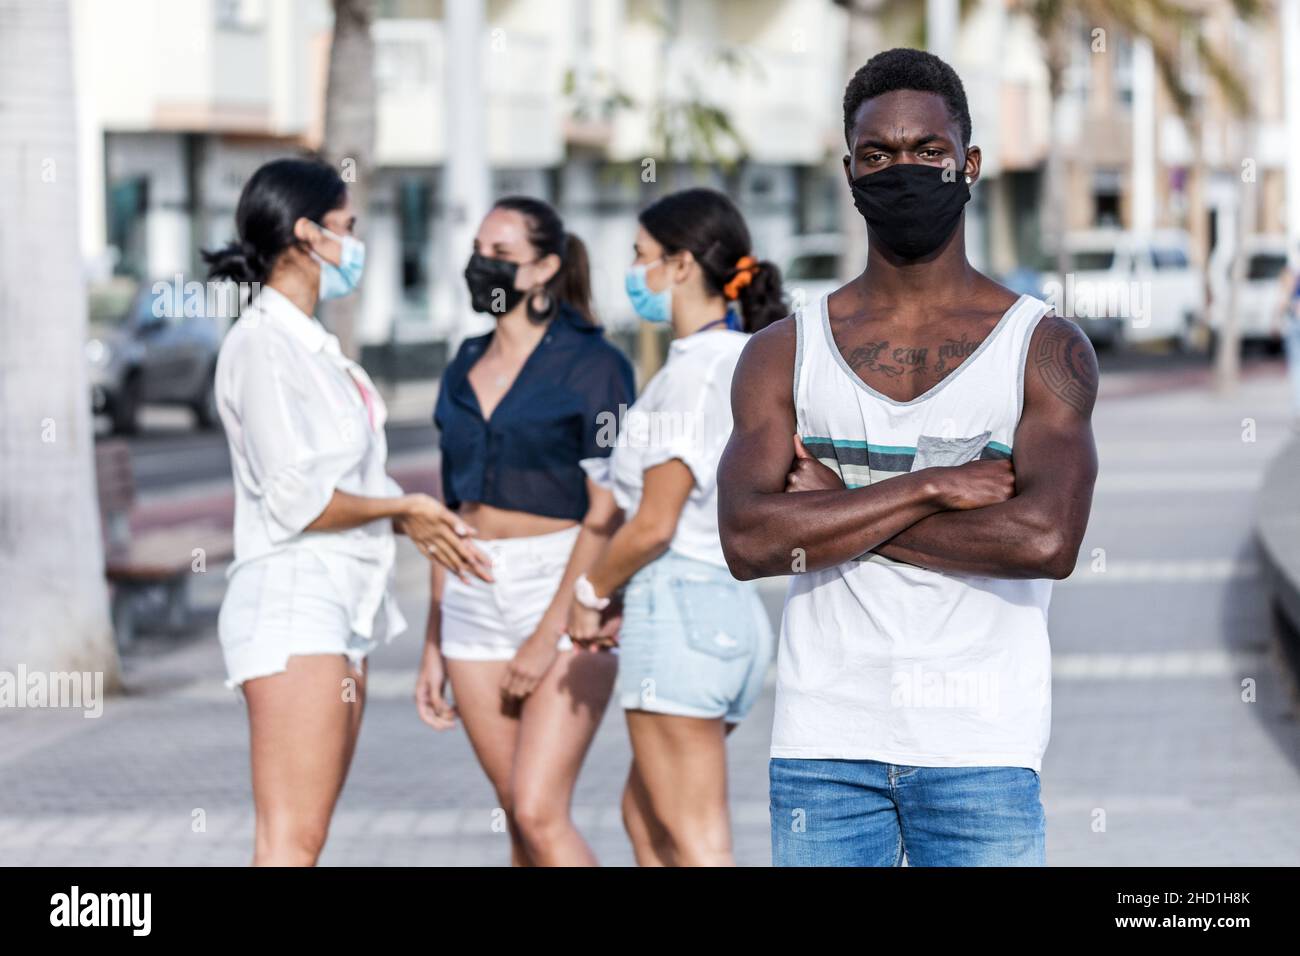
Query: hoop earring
{"points": [[544, 312]]}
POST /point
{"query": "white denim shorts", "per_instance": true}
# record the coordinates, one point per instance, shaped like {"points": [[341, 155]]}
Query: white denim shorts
{"points": [[488, 622], [283, 606]]}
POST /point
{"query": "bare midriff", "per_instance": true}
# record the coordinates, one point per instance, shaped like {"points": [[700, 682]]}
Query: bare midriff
{"points": [[492, 523]]}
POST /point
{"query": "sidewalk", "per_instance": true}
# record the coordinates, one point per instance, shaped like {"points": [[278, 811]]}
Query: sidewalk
{"points": [[126, 787], [1174, 740]]}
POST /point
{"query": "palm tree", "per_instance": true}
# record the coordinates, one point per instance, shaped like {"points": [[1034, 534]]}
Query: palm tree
{"points": [[1165, 25], [350, 106], [52, 591], [685, 124]]}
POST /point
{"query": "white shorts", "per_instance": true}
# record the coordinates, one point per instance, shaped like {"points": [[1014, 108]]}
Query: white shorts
{"points": [[488, 622], [282, 606]]}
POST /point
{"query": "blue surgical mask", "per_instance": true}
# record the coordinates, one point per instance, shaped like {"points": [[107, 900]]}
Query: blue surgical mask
{"points": [[651, 306], [339, 280]]}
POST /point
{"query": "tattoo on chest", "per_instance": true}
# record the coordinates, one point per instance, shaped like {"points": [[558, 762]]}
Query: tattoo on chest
{"points": [[874, 357], [953, 352], [897, 361]]}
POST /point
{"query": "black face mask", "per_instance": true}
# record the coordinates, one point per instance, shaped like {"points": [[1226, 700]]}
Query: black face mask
{"points": [[910, 207], [492, 284]]}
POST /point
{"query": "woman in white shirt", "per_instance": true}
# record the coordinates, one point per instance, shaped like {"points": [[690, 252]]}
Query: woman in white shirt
{"points": [[694, 644], [308, 594]]}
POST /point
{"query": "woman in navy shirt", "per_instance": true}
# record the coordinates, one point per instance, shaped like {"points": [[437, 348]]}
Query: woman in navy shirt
{"points": [[518, 409]]}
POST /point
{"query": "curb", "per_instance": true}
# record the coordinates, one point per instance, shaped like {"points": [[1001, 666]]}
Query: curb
{"points": [[1278, 533]]}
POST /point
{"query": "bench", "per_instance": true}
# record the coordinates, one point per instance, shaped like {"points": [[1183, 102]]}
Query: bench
{"points": [[158, 562]]}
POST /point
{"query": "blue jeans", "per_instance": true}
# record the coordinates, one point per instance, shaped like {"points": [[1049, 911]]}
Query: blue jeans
{"points": [[865, 813]]}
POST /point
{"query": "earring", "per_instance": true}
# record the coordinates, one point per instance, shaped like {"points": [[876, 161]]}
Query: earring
{"points": [[545, 311], [969, 180]]}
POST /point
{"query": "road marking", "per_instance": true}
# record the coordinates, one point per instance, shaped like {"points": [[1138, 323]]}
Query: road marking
{"points": [[1155, 665], [398, 684], [235, 827], [1162, 569], [1163, 481]]}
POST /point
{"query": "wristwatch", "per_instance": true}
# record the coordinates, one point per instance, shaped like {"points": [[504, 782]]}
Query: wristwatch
{"points": [[586, 595]]}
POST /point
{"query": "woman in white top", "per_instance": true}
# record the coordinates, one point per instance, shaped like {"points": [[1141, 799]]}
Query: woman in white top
{"points": [[308, 594], [694, 644]]}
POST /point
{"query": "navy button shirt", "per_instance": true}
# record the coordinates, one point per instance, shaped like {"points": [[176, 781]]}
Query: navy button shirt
{"points": [[525, 457]]}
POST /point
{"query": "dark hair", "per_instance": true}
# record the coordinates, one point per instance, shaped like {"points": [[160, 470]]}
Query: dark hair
{"points": [[274, 198], [571, 284], [904, 69], [711, 228]]}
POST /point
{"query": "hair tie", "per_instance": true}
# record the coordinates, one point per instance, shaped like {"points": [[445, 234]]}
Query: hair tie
{"points": [[746, 266]]}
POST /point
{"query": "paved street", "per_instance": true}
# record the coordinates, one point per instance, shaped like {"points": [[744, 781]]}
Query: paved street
{"points": [[1155, 758]]}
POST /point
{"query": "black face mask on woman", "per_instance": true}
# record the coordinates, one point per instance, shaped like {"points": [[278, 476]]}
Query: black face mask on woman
{"points": [[492, 284], [910, 207]]}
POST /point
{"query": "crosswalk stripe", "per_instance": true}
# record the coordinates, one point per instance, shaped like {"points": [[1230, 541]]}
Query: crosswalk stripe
{"points": [[228, 827], [1164, 481], [1157, 665], [1162, 569], [398, 684]]}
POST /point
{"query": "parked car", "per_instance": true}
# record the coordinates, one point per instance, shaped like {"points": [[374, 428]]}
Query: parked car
{"points": [[812, 266], [1261, 294], [142, 346], [1128, 287]]}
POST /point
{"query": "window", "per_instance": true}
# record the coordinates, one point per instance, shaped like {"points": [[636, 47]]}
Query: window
{"points": [[1168, 258], [1107, 185], [1123, 74], [1265, 265], [239, 14], [128, 203], [818, 266], [1092, 260], [414, 205]]}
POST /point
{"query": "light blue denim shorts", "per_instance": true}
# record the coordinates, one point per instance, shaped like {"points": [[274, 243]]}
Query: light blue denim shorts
{"points": [[695, 642]]}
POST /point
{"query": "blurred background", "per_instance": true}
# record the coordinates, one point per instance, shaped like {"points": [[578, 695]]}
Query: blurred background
{"points": [[1141, 171], [1095, 119]]}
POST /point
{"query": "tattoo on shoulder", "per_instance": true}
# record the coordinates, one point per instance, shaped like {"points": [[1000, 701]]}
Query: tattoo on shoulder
{"points": [[1065, 362]]}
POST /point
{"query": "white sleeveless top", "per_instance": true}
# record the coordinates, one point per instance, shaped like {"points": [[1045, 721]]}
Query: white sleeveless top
{"points": [[881, 660]]}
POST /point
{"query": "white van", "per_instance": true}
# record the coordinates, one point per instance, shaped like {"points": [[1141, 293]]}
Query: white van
{"points": [[1261, 294], [1126, 287]]}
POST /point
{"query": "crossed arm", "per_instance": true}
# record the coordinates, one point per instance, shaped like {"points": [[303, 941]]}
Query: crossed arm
{"points": [[1037, 532], [941, 518], [766, 532]]}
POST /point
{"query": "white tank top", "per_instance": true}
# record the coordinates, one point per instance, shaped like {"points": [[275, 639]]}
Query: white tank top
{"points": [[881, 660]]}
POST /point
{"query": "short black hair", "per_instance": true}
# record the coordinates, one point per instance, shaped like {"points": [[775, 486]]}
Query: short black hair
{"points": [[904, 69]]}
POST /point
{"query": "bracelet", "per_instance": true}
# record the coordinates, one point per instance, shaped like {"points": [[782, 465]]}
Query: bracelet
{"points": [[586, 595]]}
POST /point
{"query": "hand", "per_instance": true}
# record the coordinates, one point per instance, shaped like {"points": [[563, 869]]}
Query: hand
{"points": [[530, 664], [442, 535], [584, 626], [809, 474], [611, 622], [592, 630], [430, 691], [976, 484]]}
